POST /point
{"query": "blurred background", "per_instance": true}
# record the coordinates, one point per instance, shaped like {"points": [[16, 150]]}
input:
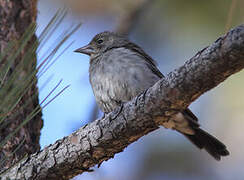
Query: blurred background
{"points": [[171, 31]]}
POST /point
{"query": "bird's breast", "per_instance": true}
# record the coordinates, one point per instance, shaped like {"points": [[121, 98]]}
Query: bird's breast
{"points": [[119, 76]]}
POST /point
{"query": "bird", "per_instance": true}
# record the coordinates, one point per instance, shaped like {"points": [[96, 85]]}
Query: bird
{"points": [[120, 70]]}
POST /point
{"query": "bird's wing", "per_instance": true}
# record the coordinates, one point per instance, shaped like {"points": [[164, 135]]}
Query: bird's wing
{"points": [[187, 112], [153, 66], [151, 63]]}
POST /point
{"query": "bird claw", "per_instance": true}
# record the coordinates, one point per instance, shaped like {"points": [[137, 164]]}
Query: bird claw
{"points": [[117, 112], [104, 115]]}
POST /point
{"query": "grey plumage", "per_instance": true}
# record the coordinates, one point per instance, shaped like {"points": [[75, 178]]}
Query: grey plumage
{"points": [[120, 70], [110, 82]]}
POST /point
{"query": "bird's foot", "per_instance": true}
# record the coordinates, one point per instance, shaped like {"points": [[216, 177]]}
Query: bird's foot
{"points": [[117, 111]]}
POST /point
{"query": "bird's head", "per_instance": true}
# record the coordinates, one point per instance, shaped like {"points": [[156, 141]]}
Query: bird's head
{"points": [[102, 42]]}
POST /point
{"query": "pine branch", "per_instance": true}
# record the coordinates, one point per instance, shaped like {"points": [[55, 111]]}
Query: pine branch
{"points": [[103, 138]]}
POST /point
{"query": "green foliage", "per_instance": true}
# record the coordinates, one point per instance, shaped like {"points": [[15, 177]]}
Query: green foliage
{"points": [[14, 84]]}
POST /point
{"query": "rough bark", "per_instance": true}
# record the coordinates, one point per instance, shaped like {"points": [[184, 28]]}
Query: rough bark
{"points": [[102, 139], [15, 17]]}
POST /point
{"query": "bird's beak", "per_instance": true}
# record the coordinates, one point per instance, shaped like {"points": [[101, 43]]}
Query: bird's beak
{"points": [[85, 50]]}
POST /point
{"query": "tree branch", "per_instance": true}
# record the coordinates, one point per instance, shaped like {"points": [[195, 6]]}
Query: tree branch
{"points": [[102, 139]]}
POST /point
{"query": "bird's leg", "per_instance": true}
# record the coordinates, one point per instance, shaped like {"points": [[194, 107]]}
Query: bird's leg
{"points": [[104, 115], [117, 111]]}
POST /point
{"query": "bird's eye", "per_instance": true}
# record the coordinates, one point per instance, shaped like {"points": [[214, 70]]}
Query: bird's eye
{"points": [[99, 41]]}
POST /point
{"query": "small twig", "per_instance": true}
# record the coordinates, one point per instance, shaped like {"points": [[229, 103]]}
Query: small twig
{"points": [[230, 15], [128, 21]]}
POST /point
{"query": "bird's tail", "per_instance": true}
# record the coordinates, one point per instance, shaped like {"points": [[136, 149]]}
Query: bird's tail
{"points": [[203, 140]]}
